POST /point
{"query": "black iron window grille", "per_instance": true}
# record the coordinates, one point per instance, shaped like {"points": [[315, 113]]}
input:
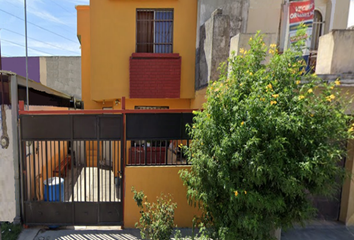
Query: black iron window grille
{"points": [[154, 30]]}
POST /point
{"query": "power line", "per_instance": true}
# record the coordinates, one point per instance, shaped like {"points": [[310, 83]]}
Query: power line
{"points": [[17, 44], [38, 26], [37, 40], [8, 1], [60, 6]]}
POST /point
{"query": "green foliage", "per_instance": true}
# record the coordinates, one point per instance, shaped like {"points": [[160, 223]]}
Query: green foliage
{"points": [[157, 219], [10, 231], [270, 136]]}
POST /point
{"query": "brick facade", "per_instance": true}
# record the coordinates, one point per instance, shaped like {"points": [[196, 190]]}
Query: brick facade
{"points": [[154, 75]]}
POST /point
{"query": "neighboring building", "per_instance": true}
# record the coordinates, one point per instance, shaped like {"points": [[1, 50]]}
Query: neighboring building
{"points": [[215, 31], [40, 98], [60, 73]]}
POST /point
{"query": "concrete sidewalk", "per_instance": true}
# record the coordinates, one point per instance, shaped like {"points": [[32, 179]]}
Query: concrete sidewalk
{"points": [[85, 233], [318, 231], [79, 233]]}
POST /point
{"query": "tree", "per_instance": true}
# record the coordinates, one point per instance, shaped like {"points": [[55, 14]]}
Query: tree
{"points": [[270, 136]]}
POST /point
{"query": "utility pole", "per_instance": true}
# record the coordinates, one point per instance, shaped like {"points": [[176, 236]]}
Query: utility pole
{"points": [[27, 97]]}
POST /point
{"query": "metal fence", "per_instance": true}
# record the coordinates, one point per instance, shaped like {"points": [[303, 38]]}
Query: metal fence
{"points": [[72, 162], [72, 169]]}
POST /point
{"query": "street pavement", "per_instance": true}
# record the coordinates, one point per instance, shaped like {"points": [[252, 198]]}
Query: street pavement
{"points": [[318, 231]]}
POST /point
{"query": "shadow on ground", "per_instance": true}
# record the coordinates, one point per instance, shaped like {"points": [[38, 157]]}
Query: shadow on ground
{"points": [[125, 234]]}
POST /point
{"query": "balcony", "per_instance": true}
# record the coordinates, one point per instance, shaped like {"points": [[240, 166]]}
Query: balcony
{"points": [[154, 75]]}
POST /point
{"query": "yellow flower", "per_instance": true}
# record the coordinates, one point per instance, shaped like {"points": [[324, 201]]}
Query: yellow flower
{"points": [[245, 192], [251, 73], [273, 102], [193, 126], [271, 51], [275, 95], [251, 39], [270, 86], [242, 50], [332, 87], [242, 123], [262, 99], [301, 97], [337, 82], [273, 45], [298, 82], [180, 146], [351, 129], [330, 98], [241, 84], [236, 193], [310, 90], [311, 115]]}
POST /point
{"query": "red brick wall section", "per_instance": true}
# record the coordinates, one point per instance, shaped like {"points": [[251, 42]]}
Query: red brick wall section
{"points": [[154, 75]]}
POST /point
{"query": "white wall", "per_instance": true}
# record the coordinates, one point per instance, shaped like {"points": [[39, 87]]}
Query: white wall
{"points": [[7, 177]]}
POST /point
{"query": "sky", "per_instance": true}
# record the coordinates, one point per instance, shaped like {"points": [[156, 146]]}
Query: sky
{"points": [[51, 27]]}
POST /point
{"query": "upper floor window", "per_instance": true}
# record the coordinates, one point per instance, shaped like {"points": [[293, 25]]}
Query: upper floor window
{"points": [[154, 31], [316, 30]]}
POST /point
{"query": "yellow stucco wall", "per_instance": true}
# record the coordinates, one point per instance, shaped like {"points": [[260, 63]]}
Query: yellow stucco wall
{"points": [[83, 32], [154, 181], [171, 103], [199, 99], [110, 27]]}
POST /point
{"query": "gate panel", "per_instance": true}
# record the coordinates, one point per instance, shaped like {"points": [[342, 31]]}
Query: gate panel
{"points": [[111, 213], [86, 213], [72, 173], [48, 213]]}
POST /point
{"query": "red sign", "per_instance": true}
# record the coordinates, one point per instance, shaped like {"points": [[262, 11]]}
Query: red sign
{"points": [[301, 11]]}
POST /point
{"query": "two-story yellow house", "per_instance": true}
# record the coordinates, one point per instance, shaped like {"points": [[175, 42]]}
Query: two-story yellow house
{"points": [[164, 53], [141, 50]]}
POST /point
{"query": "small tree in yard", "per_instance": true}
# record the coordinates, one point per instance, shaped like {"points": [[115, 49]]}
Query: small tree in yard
{"points": [[269, 137], [157, 219]]}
